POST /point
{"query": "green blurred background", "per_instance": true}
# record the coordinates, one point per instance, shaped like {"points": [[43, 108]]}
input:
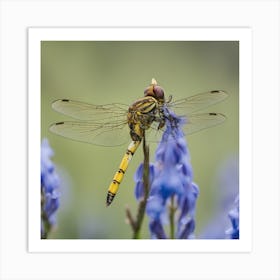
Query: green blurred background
{"points": [[107, 72]]}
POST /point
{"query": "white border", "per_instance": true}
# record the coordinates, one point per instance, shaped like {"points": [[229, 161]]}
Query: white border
{"points": [[263, 260], [243, 35]]}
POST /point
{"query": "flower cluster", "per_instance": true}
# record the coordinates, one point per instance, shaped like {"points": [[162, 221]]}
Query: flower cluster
{"points": [[233, 215], [173, 194], [227, 191], [49, 189], [138, 178]]}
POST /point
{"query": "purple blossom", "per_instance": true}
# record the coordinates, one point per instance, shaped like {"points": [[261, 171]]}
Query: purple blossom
{"points": [[233, 215], [172, 185], [49, 189], [138, 178], [228, 189]]}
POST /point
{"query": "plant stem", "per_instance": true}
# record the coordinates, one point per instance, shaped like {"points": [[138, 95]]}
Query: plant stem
{"points": [[47, 227], [172, 210], [143, 202], [44, 218]]}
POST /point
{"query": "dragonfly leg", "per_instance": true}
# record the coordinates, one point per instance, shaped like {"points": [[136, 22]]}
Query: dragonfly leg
{"points": [[161, 124]]}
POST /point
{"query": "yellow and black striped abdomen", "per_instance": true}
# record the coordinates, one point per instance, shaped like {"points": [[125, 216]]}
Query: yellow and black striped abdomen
{"points": [[140, 116], [114, 186]]}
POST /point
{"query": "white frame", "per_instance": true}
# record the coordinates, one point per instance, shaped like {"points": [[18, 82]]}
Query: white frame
{"points": [[262, 16]]}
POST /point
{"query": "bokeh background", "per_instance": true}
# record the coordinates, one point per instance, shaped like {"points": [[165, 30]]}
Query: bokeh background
{"points": [[108, 72]]}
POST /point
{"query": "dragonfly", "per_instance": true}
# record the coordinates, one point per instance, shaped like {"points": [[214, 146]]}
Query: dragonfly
{"points": [[112, 124]]}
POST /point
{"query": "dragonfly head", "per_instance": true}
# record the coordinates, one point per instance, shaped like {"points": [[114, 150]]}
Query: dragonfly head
{"points": [[155, 91]]}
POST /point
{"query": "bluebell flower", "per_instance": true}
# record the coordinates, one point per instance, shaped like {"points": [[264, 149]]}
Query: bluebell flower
{"points": [[49, 189], [227, 191], [233, 215], [138, 178], [172, 187]]}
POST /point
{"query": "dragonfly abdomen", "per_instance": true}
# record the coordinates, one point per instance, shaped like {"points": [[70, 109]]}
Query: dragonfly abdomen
{"points": [[114, 186], [140, 116]]}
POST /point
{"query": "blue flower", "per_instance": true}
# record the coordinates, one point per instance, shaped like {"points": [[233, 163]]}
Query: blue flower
{"points": [[49, 189], [138, 178], [228, 189], [157, 230], [172, 187], [186, 222], [233, 215]]}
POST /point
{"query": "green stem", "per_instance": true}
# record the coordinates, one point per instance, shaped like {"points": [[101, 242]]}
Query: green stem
{"points": [[47, 227], [172, 210], [44, 218], [143, 202]]}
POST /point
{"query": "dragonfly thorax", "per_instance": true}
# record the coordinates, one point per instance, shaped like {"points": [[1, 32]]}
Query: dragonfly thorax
{"points": [[141, 114]]}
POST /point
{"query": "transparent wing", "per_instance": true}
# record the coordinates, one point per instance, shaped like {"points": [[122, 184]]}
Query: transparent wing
{"points": [[197, 122], [197, 102], [89, 112], [194, 123], [153, 134], [106, 134]]}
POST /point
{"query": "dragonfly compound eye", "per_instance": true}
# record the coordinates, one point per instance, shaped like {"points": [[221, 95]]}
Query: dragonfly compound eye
{"points": [[149, 91], [155, 91], [159, 93]]}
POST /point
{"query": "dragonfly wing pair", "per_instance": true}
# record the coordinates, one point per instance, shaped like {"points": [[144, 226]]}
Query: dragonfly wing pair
{"points": [[107, 125], [187, 108], [103, 125]]}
